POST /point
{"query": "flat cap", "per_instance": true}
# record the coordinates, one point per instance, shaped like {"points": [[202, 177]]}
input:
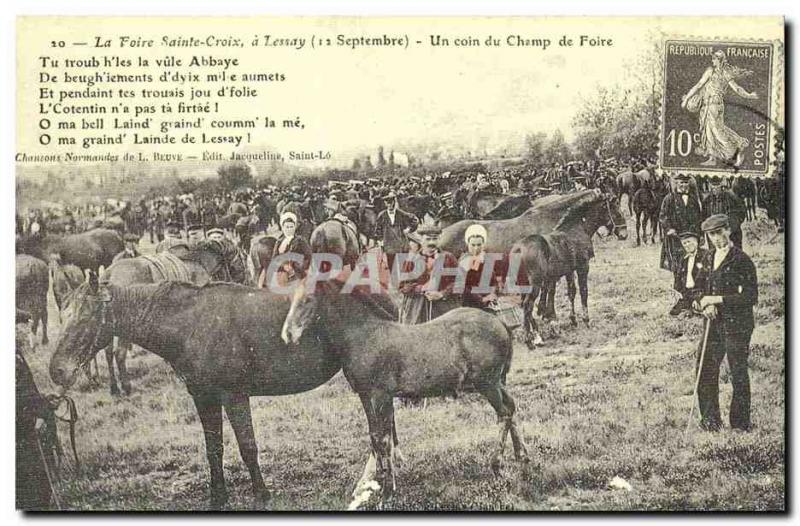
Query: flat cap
{"points": [[133, 238], [688, 233], [682, 177], [715, 222], [215, 231]]}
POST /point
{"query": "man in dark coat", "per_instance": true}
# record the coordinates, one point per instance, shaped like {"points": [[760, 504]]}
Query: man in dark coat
{"points": [[731, 291], [722, 201], [33, 486], [691, 272], [680, 212], [391, 227]]}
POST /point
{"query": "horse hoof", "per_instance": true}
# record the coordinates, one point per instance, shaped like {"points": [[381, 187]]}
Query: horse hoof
{"points": [[586, 321], [114, 391], [573, 321], [126, 389]]}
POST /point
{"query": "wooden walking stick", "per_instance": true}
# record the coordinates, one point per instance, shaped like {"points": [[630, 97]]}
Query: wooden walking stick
{"points": [[699, 372]]}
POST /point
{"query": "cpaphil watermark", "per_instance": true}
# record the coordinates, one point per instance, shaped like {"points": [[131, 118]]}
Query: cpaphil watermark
{"points": [[368, 273]]}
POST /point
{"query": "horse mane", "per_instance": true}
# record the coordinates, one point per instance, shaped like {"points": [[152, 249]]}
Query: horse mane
{"points": [[365, 298], [577, 211]]}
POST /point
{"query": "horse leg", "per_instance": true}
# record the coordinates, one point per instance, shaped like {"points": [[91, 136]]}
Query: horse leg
{"points": [[45, 340], [532, 336], [550, 307], [583, 286], [209, 410], [112, 377], [370, 468], [638, 225], [121, 356], [520, 449], [495, 397], [571, 291], [237, 407], [379, 409]]}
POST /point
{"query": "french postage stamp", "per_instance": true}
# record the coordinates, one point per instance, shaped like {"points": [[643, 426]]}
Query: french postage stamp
{"points": [[719, 107]]}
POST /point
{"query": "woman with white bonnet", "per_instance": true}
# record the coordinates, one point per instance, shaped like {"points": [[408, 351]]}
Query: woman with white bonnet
{"points": [[475, 264], [288, 242]]}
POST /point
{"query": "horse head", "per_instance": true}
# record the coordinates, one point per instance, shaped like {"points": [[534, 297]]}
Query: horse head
{"points": [[222, 260], [301, 313], [87, 328]]}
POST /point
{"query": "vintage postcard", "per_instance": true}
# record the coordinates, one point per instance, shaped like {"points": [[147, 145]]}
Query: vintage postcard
{"points": [[400, 264]]}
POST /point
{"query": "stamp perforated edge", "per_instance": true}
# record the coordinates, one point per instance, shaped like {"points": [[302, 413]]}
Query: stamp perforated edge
{"points": [[776, 116]]}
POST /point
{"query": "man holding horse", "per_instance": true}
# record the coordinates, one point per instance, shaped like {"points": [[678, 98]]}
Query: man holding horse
{"points": [[729, 295]]}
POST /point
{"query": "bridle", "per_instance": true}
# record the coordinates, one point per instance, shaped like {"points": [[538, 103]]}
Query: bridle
{"points": [[616, 226]]}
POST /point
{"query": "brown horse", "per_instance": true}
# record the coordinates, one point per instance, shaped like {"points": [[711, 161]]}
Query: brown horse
{"points": [[383, 359], [206, 261], [32, 283], [87, 250], [335, 237], [542, 217], [261, 249], [564, 252], [65, 279], [224, 356]]}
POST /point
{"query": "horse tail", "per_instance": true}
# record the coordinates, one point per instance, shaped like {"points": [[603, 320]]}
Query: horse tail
{"points": [[508, 351]]}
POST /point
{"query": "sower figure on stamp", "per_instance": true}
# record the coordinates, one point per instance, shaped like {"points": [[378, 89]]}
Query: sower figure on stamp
{"points": [[707, 98], [731, 291], [723, 201], [692, 272], [680, 212]]}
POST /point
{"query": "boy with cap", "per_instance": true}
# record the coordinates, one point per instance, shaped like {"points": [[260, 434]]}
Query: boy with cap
{"points": [[730, 292], [680, 212], [691, 272]]}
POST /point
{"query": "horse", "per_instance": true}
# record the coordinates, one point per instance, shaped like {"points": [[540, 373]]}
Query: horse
{"points": [[87, 250], [628, 183], [261, 249], [32, 284], [564, 251], [206, 261], [383, 359], [510, 207], [646, 207], [64, 278], [223, 356], [335, 237], [366, 221], [542, 217]]}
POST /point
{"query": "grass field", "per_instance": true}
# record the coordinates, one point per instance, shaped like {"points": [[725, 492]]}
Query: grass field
{"points": [[596, 402]]}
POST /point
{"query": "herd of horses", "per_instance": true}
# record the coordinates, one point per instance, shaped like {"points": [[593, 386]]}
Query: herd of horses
{"points": [[196, 308]]}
